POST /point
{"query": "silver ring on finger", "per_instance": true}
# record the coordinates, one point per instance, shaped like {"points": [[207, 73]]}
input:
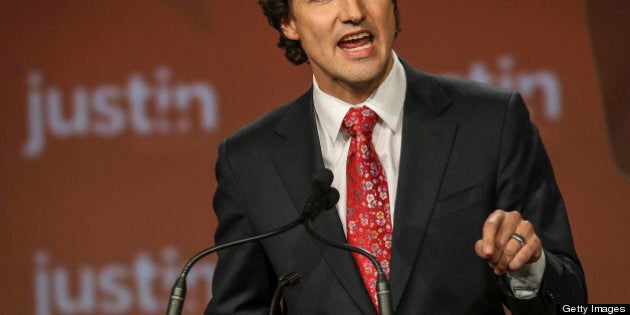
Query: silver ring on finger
{"points": [[519, 238]]}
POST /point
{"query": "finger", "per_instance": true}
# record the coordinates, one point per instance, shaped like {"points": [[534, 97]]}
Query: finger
{"points": [[510, 224], [530, 253], [513, 245], [536, 244], [510, 250], [479, 249], [489, 230]]}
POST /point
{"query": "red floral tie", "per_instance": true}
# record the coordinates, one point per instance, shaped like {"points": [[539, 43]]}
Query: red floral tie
{"points": [[368, 216]]}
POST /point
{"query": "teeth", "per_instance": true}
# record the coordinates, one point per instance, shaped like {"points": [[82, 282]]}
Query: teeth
{"points": [[356, 36], [360, 47]]}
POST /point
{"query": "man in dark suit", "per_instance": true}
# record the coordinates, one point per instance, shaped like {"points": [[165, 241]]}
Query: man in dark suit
{"points": [[468, 215]]}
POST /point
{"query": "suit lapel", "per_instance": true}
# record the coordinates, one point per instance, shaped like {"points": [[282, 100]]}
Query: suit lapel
{"points": [[297, 159], [426, 145]]}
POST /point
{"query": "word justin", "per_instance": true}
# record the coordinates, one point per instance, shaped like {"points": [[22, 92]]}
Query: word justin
{"points": [[107, 110]]}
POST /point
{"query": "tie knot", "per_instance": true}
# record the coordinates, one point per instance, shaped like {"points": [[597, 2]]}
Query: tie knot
{"points": [[360, 121]]}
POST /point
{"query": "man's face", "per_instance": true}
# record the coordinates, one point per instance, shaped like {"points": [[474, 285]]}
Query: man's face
{"points": [[348, 42]]}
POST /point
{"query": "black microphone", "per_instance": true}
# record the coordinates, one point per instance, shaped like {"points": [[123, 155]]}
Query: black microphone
{"points": [[322, 197], [383, 293]]}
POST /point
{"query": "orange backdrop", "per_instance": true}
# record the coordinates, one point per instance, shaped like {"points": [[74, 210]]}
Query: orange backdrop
{"points": [[111, 113]]}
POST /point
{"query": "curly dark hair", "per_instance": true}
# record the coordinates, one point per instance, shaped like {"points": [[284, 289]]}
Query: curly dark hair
{"points": [[277, 10]]}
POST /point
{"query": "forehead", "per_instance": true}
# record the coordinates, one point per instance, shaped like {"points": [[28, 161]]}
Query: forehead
{"points": [[291, 3]]}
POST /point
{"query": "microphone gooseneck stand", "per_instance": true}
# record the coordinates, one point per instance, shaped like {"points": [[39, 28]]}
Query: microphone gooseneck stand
{"points": [[382, 283], [322, 197], [178, 293], [289, 279]]}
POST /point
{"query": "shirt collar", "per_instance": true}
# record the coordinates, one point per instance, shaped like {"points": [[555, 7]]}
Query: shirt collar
{"points": [[387, 101]]}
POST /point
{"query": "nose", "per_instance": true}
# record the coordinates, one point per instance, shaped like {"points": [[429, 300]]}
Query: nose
{"points": [[352, 11]]}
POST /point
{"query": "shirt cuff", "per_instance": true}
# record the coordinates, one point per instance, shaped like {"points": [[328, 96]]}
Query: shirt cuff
{"points": [[525, 282]]}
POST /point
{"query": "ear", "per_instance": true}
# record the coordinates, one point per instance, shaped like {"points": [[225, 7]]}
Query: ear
{"points": [[289, 30]]}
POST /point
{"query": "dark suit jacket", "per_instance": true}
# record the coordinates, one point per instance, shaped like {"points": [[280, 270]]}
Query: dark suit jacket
{"points": [[467, 149]]}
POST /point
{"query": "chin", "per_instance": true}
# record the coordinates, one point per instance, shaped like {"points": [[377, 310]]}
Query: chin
{"points": [[370, 75]]}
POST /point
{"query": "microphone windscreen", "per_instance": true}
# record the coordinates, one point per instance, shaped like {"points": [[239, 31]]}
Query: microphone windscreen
{"points": [[332, 197], [322, 180]]}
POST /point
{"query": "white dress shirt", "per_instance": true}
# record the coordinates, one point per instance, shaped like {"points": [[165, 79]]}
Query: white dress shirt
{"points": [[387, 101]]}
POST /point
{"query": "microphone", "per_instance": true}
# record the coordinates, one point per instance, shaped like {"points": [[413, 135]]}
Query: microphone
{"points": [[289, 279], [383, 293], [322, 197]]}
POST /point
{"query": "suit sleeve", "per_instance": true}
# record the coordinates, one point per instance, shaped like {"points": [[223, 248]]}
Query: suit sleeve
{"points": [[243, 279], [525, 182]]}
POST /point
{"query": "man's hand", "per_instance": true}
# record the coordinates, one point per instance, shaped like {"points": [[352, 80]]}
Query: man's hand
{"points": [[500, 243]]}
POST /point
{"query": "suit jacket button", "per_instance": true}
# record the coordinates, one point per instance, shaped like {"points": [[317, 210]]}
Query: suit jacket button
{"points": [[549, 296]]}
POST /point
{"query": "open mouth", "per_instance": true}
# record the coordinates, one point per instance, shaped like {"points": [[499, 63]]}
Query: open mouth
{"points": [[356, 41]]}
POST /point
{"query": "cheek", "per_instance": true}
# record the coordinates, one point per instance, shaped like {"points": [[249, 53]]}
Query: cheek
{"points": [[319, 43], [389, 18], [317, 33]]}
